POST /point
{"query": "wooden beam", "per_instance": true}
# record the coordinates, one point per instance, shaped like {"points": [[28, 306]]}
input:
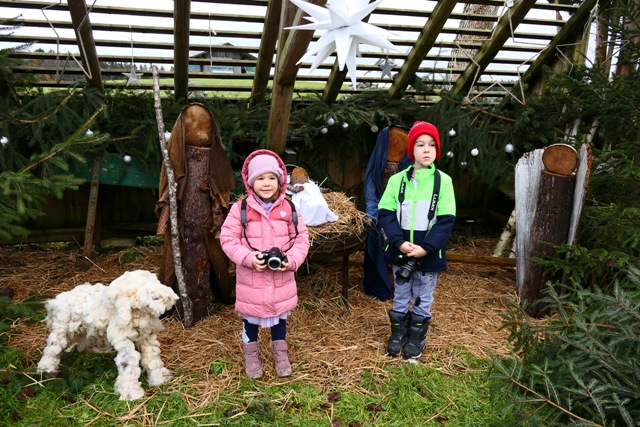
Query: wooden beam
{"points": [[181, 18], [503, 30], [422, 46], [266, 52], [334, 84], [293, 44], [567, 35], [483, 260], [86, 43]]}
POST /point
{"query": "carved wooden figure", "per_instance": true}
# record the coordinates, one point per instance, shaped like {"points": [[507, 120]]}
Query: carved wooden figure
{"points": [[204, 179]]}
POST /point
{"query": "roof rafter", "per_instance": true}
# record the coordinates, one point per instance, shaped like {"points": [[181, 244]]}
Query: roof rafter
{"points": [[503, 30], [567, 35], [86, 43], [266, 52], [425, 42]]}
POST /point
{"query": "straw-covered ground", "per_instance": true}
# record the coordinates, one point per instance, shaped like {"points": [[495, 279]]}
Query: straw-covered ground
{"points": [[331, 344]]}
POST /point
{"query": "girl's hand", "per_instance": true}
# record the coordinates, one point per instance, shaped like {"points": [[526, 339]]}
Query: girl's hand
{"points": [[283, 266], [258, 264]]}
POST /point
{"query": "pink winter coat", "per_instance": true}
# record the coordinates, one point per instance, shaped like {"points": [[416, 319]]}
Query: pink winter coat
{"points": [[265, 293]]}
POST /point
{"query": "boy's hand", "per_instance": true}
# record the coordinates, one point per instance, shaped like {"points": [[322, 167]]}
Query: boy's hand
{"points": [[413, 250]]}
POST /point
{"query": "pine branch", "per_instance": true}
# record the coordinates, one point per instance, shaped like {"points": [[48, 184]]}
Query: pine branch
{"points": [[64, 147], [65, 101], [555, 405]]}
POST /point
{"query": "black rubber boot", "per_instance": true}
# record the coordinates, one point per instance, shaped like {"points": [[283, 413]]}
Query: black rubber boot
{"points": [[418, 327], [398, 338]]}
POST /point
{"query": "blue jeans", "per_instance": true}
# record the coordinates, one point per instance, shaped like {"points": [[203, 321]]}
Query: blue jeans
{"points": [[419, 289]]}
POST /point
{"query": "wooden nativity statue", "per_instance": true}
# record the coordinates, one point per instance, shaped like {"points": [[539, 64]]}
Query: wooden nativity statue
{"points": [[204, 181]]}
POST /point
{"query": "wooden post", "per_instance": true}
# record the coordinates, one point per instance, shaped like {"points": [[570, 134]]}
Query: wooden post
{"points": [[92, 231]]}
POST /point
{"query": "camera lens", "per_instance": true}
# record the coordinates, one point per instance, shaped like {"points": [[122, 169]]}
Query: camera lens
{"points": [[274, 263]]}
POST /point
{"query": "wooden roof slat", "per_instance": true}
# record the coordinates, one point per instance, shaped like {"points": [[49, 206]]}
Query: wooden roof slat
{"points": [[567, 34], [491, 47], [422, 46], [266, 52]]}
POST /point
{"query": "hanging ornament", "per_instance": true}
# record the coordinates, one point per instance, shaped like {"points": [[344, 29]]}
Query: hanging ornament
{"points": [[475, 152], [386, 66], [167, 136], [4, 141], [345, 125], [344, 30], [374, 128], [463, 164], [133, 76], [331, 121], [449, 154], [127, 159], [452, 132], [508, 148], [324, 130], [89, 132]]}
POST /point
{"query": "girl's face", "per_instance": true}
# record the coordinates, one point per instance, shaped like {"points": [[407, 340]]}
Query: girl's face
{"points": [[424, 151], [266, 186]]}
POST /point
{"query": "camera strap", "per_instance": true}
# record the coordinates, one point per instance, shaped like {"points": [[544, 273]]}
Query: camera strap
{"points": [[243, 221], [434, 198]]}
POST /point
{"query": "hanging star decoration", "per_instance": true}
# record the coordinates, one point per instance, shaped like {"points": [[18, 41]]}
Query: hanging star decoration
{"points": [[344, 31], [133, 76], [386, 66]]}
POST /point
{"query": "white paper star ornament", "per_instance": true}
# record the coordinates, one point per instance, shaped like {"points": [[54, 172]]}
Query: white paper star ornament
{"points": [[133, 76], [344, 31]]}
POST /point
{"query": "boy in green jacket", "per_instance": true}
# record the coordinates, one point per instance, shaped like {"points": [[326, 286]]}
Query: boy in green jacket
{"points": [[416, 213]]}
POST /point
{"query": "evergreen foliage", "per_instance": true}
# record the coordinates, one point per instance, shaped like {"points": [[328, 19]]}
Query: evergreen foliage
{"points": [[41, 138], [580, 367]]}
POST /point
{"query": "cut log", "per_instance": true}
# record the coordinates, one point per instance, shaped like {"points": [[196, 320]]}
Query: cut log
{"points": [[193, 216], [561, 159], [503, 248], [550, 227]]}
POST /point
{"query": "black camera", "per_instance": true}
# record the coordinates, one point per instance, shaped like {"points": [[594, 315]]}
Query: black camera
{"points": [[274, 258], [407, 267]]}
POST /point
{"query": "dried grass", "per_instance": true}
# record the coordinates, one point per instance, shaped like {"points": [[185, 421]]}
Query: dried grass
{"points": [[331, 345]]}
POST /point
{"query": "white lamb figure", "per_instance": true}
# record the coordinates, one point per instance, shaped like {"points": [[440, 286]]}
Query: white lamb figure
{"points": [[123, 316]]}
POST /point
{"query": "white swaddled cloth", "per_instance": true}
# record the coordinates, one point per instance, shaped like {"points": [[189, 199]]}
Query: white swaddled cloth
{"points": [[312, 205]]}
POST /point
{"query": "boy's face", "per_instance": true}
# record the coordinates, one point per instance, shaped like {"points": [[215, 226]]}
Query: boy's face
{"points": [[424, 151], [266, 185]]}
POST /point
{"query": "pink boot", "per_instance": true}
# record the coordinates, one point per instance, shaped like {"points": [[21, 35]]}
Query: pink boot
{"points": [[281, 358], [251, 360]]}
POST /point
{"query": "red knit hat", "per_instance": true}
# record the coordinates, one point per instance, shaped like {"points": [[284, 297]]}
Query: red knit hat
{"points": [[421, 128]]}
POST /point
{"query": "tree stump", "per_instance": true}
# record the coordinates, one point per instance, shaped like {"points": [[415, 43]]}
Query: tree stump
{"points": [[195, 256], [550, 225]]}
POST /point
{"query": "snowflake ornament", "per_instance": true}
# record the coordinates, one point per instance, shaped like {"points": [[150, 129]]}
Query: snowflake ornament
{"points": [[344, 31]]}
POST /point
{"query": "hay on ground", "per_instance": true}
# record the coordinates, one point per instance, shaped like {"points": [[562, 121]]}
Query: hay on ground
{"points": [[331, 345]]}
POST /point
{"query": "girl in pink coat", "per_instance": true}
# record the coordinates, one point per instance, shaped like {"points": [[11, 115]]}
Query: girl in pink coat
{"points": [[261, 236]]}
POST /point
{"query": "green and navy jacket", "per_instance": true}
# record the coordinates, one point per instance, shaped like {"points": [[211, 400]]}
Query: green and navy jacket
{"points": [[416, 227]]}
